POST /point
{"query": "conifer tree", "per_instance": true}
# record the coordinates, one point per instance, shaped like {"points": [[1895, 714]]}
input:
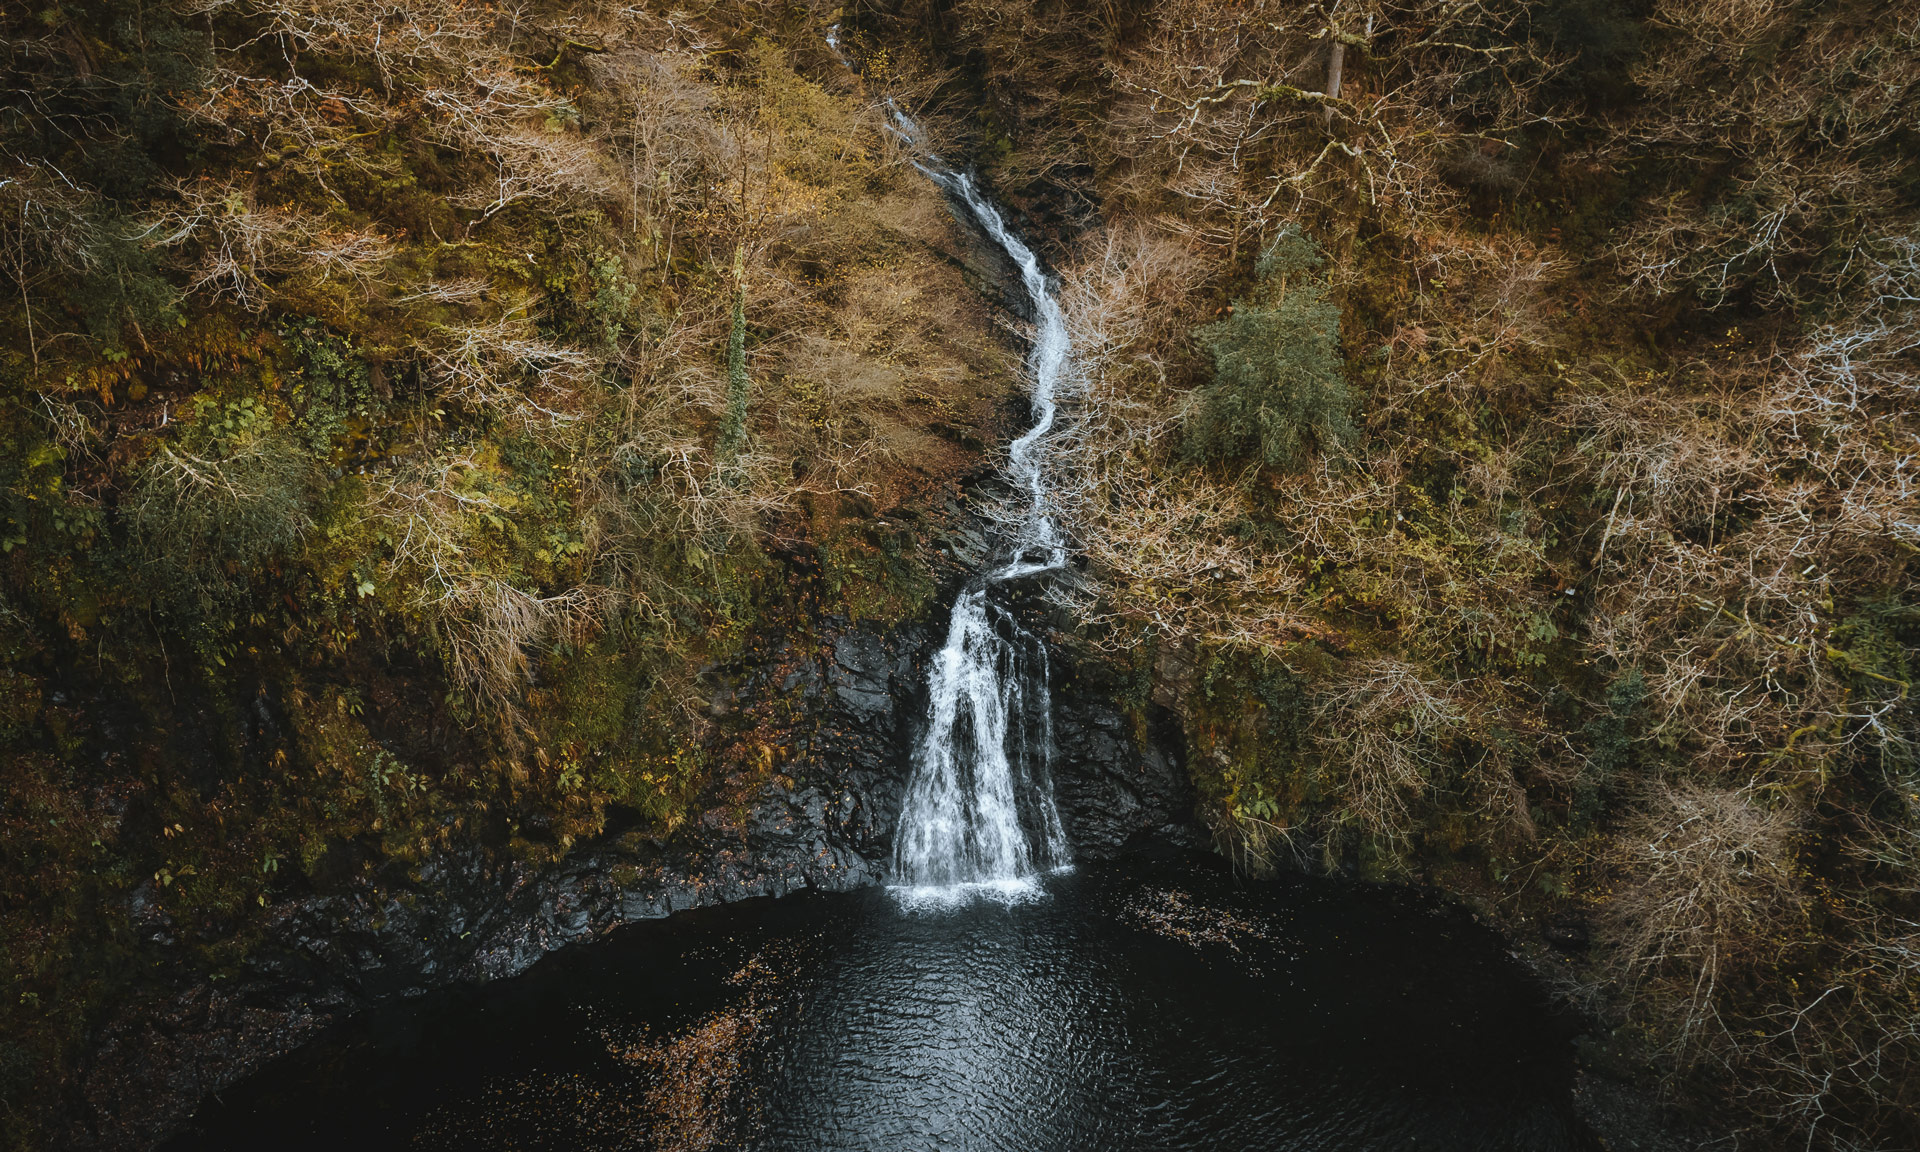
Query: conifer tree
{"points": [[1277, 392]]}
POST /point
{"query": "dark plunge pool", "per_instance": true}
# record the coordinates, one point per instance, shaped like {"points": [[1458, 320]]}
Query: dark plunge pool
{"points": [[1152, 1004]]}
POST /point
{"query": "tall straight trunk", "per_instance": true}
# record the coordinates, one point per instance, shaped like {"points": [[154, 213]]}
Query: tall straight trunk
{"points": [[1336, 60], [733, 425]]}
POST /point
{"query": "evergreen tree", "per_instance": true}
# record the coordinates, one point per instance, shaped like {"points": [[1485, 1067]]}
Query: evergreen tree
{"points": [[1277, 392]]}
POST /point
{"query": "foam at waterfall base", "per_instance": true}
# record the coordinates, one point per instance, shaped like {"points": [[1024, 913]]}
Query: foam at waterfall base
{"points": [[1010, 891]]}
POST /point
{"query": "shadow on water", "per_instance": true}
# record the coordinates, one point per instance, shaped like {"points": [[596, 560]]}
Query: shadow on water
{"points": [[1149, 1004]]}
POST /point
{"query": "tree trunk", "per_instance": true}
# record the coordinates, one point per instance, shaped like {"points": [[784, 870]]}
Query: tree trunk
{"points": [[1336, 60], [733, 425]]}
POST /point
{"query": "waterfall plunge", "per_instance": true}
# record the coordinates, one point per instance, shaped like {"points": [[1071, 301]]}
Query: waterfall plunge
{"points": [[979, 809]]}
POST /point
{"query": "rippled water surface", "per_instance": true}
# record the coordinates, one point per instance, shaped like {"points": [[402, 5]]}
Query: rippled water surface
{"points": [[1147, 1005]]}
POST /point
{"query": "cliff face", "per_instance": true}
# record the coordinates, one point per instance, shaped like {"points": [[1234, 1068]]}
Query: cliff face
{"points": [[528, 642]]}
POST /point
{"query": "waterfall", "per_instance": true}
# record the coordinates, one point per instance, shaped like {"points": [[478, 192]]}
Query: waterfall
{"points": [[979, 809]]}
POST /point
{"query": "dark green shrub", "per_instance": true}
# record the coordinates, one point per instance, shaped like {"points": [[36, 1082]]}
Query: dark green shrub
{"points": [[1873, 648], [1611, 733], [331, 386], [1277, 393], [120, 284]]}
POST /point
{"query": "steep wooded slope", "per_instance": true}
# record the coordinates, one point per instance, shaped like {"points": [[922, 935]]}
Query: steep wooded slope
{"points": [[1498, 448]]}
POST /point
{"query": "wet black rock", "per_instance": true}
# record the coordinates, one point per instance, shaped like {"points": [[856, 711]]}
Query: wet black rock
{"points": [[1568, 932], [1114, 787]]}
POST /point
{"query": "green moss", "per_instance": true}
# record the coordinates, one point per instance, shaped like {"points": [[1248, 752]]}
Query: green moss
{"points": [[876, 570], [1246, 742]]}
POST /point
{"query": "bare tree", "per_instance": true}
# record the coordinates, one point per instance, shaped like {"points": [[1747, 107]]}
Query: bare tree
{"points": [[1710, 886]]}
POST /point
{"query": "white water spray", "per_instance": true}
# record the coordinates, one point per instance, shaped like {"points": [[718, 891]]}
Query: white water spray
{"points": [[979, 810]]}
